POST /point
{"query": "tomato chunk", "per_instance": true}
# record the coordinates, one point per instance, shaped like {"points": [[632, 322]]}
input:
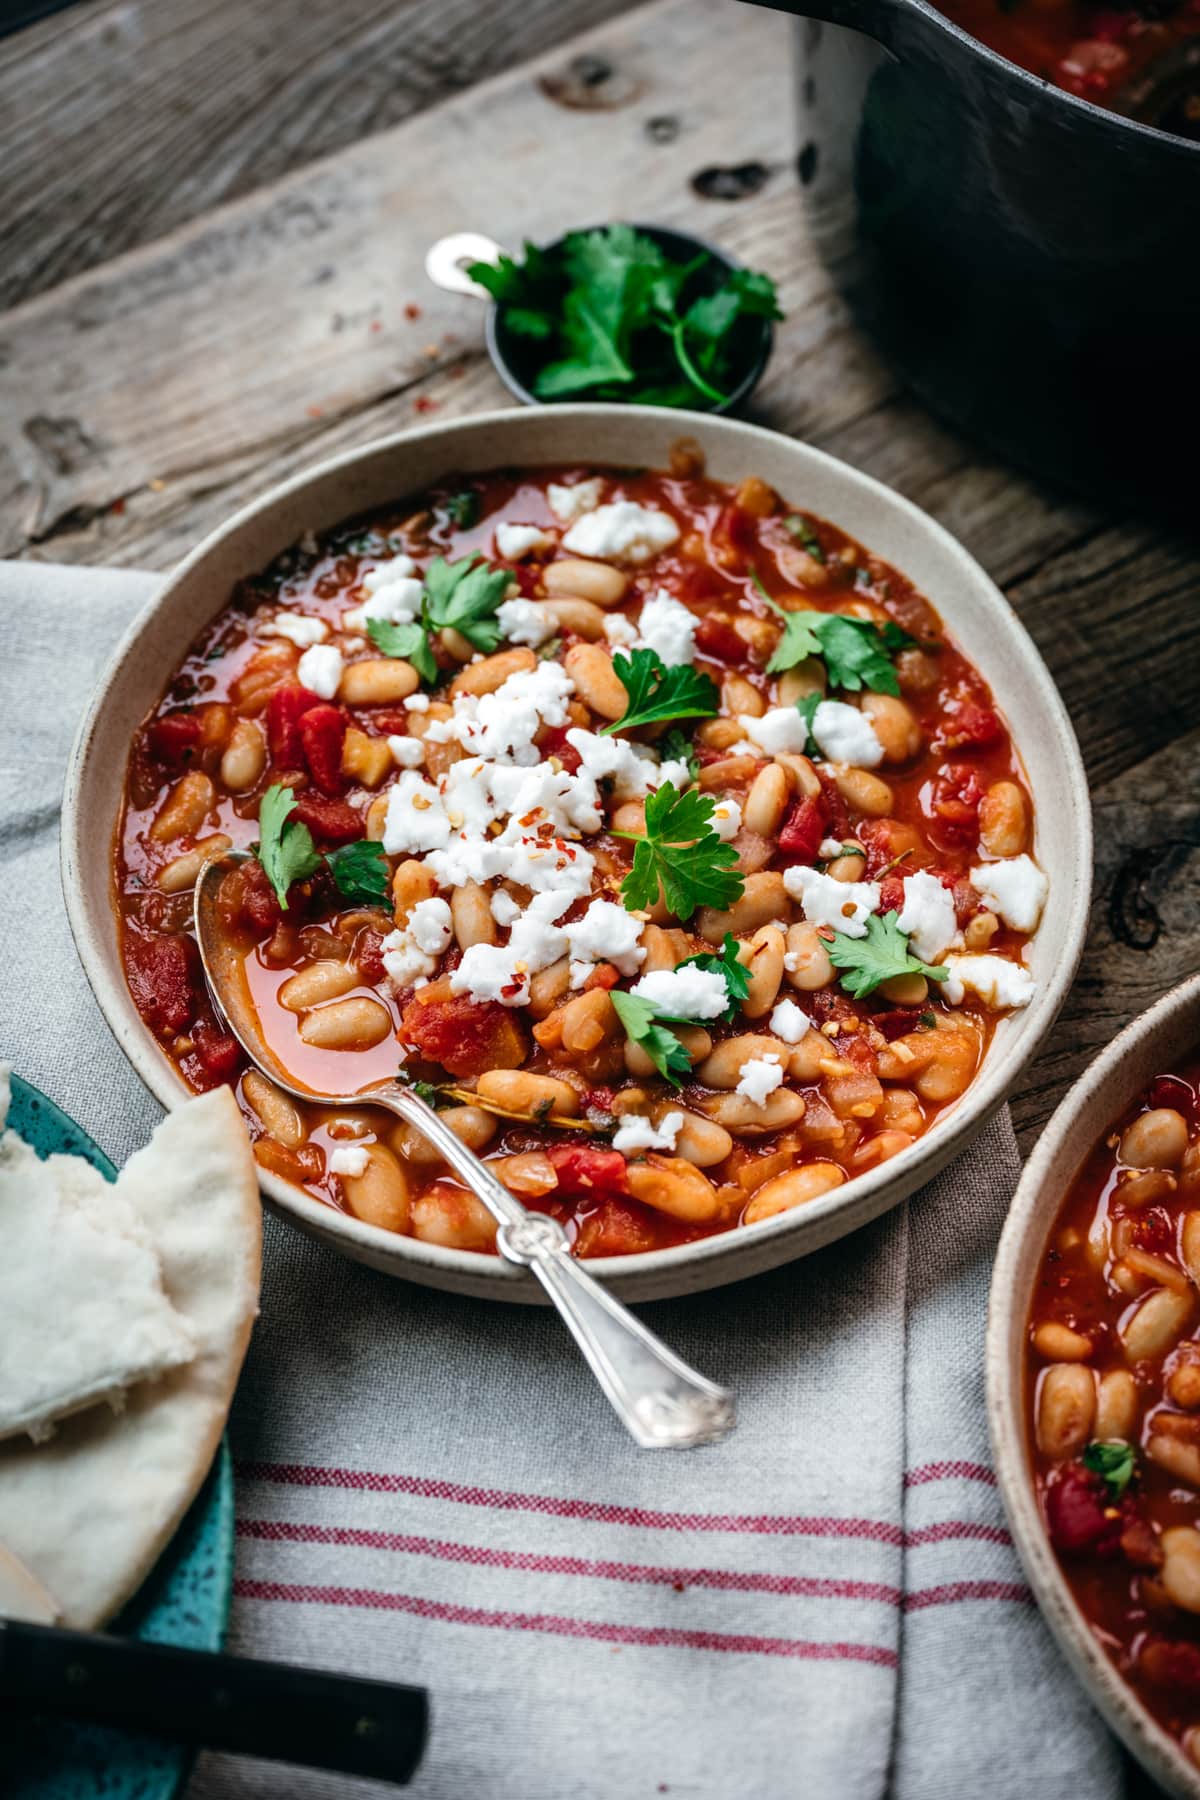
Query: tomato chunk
{"points": [[218, 1050], [175, 738], [583, 1170], [164, 979], [334, 821], [285, 709], [717, 639], [464, 1036], [972, 727], [322, 732], [802, 831], [617, 1228]]}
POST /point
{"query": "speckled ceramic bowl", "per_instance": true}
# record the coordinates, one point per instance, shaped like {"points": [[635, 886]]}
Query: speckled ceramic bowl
{"points": [[1156, 1040], [976, 614]]}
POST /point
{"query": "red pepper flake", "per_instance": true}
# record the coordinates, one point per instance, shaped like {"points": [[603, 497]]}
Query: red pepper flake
{"points": [[423, 404], [412, 310], [376, 325], [315, 412]]}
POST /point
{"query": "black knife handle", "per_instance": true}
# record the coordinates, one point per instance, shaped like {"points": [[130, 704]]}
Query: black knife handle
{"points": [[306, 1716]]}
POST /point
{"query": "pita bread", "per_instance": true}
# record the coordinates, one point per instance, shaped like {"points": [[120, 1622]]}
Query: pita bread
{"points": [[89, 1512], [83, 1313]]}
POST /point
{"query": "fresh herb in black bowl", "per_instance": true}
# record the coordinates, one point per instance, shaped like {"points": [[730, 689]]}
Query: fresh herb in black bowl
{"points": [[632, 313]]}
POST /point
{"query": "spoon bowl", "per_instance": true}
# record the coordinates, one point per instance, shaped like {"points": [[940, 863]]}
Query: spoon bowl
{"points": [[662, 1403]]}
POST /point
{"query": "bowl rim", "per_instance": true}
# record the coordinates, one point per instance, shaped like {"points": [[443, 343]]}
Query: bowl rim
{"points": [[1035, 1204], [855, 1204]]}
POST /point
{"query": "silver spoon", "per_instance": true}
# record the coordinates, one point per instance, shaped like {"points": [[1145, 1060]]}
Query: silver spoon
{"points": [[662, 1403]]}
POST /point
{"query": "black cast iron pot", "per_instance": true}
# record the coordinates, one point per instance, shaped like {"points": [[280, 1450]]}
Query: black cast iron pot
{"points": [[1029, 262]]}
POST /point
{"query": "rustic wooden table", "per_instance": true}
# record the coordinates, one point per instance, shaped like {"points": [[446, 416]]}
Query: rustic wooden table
{"points": [[214, 223]]}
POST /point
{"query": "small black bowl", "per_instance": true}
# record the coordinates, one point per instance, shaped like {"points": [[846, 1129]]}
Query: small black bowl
{"points": [[516, 359]]}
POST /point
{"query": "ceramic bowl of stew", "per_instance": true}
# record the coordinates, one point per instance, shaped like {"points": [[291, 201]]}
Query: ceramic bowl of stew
{"points": [[1005, 194], [1093, 1379], [753, 512]]}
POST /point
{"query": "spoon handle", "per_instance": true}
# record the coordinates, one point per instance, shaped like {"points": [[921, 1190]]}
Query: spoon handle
{"points": [[662, 1403]]}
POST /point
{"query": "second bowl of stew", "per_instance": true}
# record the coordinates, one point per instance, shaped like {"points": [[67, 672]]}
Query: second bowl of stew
{"points": [[1094, 1382], [686, 816]]}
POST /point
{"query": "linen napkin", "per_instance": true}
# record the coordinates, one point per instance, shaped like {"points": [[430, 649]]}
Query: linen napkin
{"points": [[432, 1489]]}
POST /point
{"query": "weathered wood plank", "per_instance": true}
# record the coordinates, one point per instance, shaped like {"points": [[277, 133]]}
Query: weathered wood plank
{"points": [[287, 310], [121, 120]]}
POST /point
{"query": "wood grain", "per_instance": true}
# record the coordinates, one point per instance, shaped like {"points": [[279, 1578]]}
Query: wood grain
{"points": [[142, 401], [121, 120]]}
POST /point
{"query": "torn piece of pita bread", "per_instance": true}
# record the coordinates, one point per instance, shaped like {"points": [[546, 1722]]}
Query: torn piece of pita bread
{"points": [[89, 1511], [83, 1314]]}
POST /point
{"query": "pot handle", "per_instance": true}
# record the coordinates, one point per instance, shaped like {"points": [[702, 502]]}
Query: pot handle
{"points": [[883, 20]]}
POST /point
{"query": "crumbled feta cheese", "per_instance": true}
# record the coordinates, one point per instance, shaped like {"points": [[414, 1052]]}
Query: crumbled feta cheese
{"points": [[515, 541], [845, 735], [620, 630], [298, 628], [605, 933], [928, 915], [417, 703], [502, 971], [622, 531], [502, 725], [412, 952], [416, 818], [320, 669], [393, 590], [570, 503], [668, 627], [844, 905], [525, 622], [997, 981], [633, 768], [505, 910], [778, 730], [637, 1132], [686, 993], [828, 848], [308, 542], [791, 961], [409, 752], [789, 1022], [760, 1077], [348, 1159], [1015, 890], [726, 819]]}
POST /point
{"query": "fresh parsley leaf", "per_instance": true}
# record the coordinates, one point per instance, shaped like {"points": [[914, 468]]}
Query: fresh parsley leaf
{"points": [[807, 708], [528, 290], [661, 1045], [463, 510], [682, 852], [880, 956], [424, 1090], [805, 536], [466, 595], [361, 872], [1114, 1461], [737, 977], [285, 846], [658, 692], [410, 641], [676, 746], [857, 653]]}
